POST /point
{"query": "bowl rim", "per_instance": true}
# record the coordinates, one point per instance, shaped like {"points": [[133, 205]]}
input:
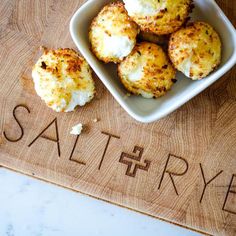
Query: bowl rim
{"points": [[195, 91]]}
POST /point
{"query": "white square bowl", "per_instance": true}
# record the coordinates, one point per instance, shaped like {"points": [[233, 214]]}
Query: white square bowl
{"points": [[149, 110]]}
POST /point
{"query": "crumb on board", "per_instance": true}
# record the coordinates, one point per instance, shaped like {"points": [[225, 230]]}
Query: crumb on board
{"points": [[96, 120], [77, 129]]}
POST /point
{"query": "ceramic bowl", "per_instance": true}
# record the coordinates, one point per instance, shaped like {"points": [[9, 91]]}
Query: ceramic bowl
{"points": [[149, 110]]}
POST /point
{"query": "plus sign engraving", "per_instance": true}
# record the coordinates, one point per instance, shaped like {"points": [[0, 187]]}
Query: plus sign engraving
{"points": [[130, 160]]}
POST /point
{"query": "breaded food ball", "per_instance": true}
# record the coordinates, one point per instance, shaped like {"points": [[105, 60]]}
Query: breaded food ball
{"points": [[147, 71], [159, 16], [112, 33], [195, 50], [63, 79]]}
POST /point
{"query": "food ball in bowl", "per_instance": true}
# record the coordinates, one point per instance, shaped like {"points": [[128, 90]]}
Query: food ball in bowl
{"points": [[195, 50], [112, 33], [147, 71], [63, 79], [159, 16]]}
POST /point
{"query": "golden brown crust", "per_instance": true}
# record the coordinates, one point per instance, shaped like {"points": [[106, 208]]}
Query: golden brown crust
{"points": [[74, 61], [158, 75], [195, 50]]}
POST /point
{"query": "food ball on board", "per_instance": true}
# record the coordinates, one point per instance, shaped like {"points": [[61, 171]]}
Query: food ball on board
{"points": [[63, 79]]}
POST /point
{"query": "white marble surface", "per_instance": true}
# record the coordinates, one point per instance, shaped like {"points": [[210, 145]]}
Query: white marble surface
{"points": [[29, 207]]}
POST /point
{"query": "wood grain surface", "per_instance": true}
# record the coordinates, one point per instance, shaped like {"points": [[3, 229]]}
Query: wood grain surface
{"points": [[181, 169]]}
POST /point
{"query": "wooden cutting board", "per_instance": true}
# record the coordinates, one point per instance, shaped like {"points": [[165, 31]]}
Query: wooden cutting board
{"points": [[181, 169]]}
